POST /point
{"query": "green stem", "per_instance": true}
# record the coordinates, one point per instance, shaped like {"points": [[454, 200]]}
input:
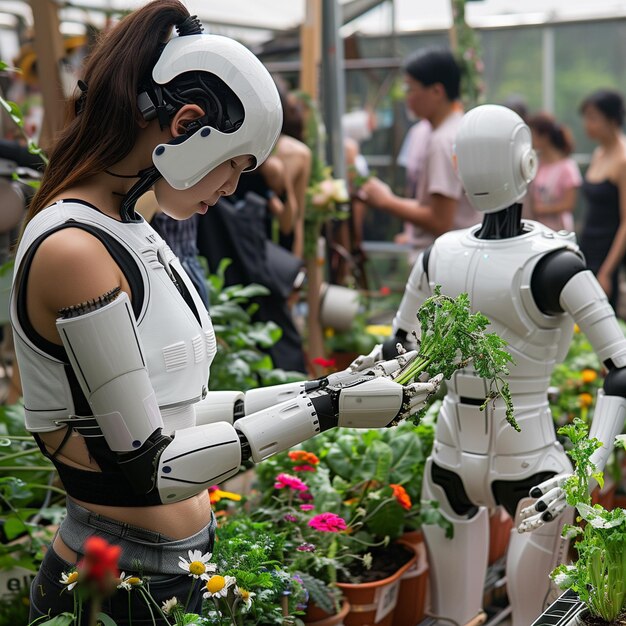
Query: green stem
{"points": [[147, 601], [16, 455], [193, 585]]}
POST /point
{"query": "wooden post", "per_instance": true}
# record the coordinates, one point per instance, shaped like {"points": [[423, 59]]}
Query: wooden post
{"points": [[310, 47], [49, 49]]}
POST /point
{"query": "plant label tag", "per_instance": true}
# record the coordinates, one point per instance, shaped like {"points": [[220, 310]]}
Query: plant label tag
{"points": [[386, 597], [15, 580]]}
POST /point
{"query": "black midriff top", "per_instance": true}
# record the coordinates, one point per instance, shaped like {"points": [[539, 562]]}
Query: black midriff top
{"points": [[601, 222]]}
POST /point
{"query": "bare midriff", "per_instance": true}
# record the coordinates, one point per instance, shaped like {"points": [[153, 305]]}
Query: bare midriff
{"points": [[177, 520]]}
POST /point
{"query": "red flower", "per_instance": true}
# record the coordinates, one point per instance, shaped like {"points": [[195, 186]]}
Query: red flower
{"points": [[304, 468], [100, 563], [322, 362], [302, 456], [385, 291]]}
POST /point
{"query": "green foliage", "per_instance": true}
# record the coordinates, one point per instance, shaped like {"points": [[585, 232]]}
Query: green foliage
{"points": [[240, 362], [356, 340], [468, 55], [599, 574], [451, 338]]}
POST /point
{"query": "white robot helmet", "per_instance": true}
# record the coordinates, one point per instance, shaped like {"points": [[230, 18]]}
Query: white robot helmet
{"points": [[495, 158], [244, 113]]}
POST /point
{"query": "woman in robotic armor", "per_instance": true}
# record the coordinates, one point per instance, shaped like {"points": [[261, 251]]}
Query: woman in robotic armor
{"points": [[113, 343]]}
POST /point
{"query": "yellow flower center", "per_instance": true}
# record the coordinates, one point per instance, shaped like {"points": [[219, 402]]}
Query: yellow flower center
{"points": [[133, 580], [196, 568], [72, 578], [215, 583], [245, 594]]}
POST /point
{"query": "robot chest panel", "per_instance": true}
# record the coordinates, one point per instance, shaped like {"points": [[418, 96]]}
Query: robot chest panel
{"points": [[497, 279], [177, 335]]}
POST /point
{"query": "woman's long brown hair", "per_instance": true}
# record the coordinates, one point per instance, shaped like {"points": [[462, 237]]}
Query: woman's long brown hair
{"points": [[106, 129]]}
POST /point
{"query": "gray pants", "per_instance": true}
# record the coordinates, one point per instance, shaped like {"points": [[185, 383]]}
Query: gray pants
{"points": [[144, 553]]}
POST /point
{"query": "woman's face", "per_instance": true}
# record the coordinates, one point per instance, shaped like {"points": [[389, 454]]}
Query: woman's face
{"points": [[221, 181], [597, 125]]}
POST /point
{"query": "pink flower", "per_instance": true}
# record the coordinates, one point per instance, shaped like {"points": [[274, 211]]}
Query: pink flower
{"points": [[304, 468], [290, 518], [306, 547], [305, 496], [327, 523], [291, 482], [307, 507]]}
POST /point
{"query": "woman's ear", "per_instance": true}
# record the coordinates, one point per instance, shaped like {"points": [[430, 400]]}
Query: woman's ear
{"points": [[186, 114]]}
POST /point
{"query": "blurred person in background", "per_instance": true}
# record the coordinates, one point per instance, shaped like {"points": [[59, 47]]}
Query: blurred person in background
{"points": [[603, 237], [432, 81], [553, 194]]}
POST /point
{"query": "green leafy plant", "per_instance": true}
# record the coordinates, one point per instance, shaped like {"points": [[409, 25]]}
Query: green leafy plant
{"points": [[599, 574], [240, 362], [451, 338]]}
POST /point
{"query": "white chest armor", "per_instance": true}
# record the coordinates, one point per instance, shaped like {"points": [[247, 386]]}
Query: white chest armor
{"points": [[497, 276], [178, 346]]}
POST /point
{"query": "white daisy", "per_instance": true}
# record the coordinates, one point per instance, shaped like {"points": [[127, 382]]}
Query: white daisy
{"points": [[217, 586], [198, 565], [246, 597], [69, 580], [128, 582], [168, 605]]}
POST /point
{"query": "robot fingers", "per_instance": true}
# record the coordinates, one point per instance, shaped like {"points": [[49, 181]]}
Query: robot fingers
{"points": [[555, 508], [417, 394], [544, 487], [387, 368], [533, 520], [367, 361]]}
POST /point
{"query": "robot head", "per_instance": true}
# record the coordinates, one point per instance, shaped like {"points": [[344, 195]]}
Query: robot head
{"points": [[243, 114], [495, 158]]}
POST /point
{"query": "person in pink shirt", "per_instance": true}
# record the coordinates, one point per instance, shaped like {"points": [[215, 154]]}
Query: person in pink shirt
{"points": [[553, 193]]}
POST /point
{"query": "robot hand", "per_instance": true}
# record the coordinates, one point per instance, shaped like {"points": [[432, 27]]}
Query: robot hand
{"points": [[549, 505], [365, 361]]}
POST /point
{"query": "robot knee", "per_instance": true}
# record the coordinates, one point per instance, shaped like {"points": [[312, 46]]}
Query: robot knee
{"points": [[454, 489]]}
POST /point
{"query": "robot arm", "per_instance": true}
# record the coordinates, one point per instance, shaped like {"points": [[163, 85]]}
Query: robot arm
{"points": [[104, 349], [583, 298], [405, 321]]}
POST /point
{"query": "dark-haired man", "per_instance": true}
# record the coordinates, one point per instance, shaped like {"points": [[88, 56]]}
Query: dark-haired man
{"points": [[432, 81]]}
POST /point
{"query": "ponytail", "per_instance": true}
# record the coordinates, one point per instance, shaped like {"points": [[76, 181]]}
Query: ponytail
{"points": [[103, 120]]}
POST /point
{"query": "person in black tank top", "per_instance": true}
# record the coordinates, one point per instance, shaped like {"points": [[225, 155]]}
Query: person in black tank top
{"points": [[603, 237]]}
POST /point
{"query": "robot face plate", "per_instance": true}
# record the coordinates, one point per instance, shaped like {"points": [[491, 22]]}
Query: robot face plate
{"points": [[183, 164], [495, 158]]}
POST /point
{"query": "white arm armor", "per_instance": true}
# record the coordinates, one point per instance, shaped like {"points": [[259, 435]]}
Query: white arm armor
{"points": [[583, 298], [105, 352]]}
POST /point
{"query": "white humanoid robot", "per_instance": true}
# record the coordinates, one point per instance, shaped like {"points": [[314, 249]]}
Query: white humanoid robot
{"points": [[532, 283]]}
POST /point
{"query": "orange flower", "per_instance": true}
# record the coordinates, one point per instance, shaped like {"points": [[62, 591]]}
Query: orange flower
{"points": [[401, 496], [589, 375], [585, 399], [302, 456]]}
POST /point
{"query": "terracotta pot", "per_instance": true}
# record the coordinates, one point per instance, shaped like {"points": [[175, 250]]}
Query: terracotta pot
{"points": [[374, 603], [411, 606], [500, 525], [317, 617]]}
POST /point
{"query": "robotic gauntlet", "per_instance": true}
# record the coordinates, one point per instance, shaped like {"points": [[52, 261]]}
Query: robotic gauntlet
{"points": [[105, 352]]}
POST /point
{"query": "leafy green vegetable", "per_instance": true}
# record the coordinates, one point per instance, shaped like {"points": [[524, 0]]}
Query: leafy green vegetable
{"points": [[599, 574], [452, 337]]}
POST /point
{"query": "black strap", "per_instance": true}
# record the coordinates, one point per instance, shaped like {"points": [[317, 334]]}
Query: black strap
{"points": [[120, 255]]}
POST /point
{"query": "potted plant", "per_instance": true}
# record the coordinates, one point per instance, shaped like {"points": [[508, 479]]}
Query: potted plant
{"points": [[598, 577], [372, 480]]}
